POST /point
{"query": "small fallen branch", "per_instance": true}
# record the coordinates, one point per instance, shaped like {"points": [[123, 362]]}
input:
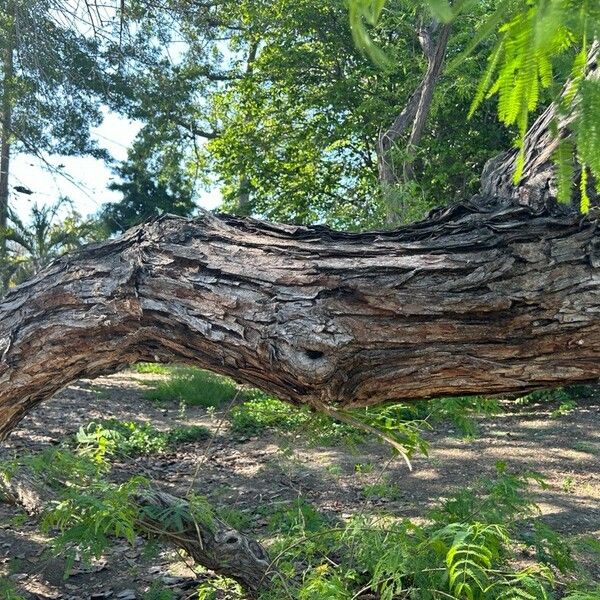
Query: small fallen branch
{"points": [[185, 523]]}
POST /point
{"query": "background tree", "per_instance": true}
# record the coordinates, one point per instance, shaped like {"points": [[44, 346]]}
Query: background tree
{"points": [[544, 49], [275, 102], [53, 78], [32, 245], [151, 185]]}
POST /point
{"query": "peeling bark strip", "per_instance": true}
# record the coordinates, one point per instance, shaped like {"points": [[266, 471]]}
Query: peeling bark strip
{"points": [[217, 546], [473, 300]]}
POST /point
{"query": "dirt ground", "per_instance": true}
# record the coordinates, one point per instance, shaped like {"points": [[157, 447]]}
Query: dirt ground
{"points": [[252, 473]]}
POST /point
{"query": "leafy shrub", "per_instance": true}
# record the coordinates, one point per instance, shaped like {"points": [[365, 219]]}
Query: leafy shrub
{"points": [[463, 551], [193, 387], [120, 438], [89, 516], [129, 438]]}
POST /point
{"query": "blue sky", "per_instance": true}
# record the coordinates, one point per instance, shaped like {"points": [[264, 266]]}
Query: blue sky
{"points": [[85, 179]]}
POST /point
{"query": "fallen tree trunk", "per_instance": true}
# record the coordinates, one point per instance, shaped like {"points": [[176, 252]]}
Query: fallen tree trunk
{"points": [[212, 544], [473, 300], [501, 294]]}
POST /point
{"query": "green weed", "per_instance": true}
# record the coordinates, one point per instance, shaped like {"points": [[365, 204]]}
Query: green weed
{"points": [[361, 468], [564, 408], [129, 438], [8, 590], [382, 489], [219, 588], [464, 550], [568, 485]]}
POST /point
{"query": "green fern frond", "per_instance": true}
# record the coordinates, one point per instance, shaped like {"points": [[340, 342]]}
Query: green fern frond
{"points": [[485, 83], [585, 199], [563, 159], [588, 126]]}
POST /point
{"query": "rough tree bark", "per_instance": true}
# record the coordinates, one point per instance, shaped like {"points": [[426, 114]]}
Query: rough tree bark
{"points": [[213, 545], [472, 300]]}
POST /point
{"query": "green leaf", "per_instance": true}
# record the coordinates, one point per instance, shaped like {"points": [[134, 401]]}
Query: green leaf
{"points": [[441, 9]]}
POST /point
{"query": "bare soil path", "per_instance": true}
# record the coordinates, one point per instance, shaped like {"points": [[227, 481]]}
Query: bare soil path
{"points": [[254, 475]]}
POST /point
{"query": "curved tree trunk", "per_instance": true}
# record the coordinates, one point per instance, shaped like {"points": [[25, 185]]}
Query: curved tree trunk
{"points": [[473, 300]]}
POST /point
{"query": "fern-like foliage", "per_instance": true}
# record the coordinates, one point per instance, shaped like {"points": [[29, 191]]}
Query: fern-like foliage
{"points": [[535, 34], [522, 64], [88, 518], [534, 38]]}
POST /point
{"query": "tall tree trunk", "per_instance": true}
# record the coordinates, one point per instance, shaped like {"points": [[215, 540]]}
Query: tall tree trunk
{"points": [[435, 52], [414, 115], [243, 207], [8, 50]]}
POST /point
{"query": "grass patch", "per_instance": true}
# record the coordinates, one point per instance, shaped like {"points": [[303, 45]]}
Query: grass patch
{"points": [[191, 387], [8, 590], [382, 489], [263, 413], [299, 516], [587, 447], [186, 434], [152, 368], [565, 397]]}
